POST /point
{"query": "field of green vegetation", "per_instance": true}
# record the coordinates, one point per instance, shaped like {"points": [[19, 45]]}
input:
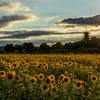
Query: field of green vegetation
{"points": [[50, 76]]}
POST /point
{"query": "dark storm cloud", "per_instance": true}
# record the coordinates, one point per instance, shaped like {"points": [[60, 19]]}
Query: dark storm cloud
{"points": [[6, 21], [91, 21], [26, 34]]}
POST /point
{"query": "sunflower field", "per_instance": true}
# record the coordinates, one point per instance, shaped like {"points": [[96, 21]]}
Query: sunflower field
{"points": [[50, 76]]}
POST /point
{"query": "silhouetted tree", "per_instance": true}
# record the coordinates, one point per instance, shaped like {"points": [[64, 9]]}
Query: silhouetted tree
{"points": [[57, 46], [19, 47], [68, 45], [44, 47], [36, 49], [94, 42], [28, 47], [9, 48]]}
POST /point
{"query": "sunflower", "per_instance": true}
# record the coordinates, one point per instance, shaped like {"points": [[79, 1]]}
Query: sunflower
{"points": [[45, 67], [40, 76], [10, 76], [23, 62], [15, 65], [90, 73], [74, 76], [2, 73], [70, 63], [78, 84], [66, 79], [17, 78], [50, 85], [95, 67], [39, 67], [36, 76], [83, 83], [90, 89], [52, 81], [19, 68], [98, 73], [61, 63], [9, 67], [61, 77], [33, 71], [57, 65], [48, 80], [44, 64], [32, 80], [30, 63], [52, 76], [94, 78], [26, 67], [65, 64], [66, 73], [45, 87], [23, 78], [54, 89], [70, 75]]}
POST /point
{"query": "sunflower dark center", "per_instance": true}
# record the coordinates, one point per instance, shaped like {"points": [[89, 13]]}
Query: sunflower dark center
{"points": [[47, 80], [66, 79], [94, 78], [41, 76], [61, 77], [32, 80], [54, 89], [10, 76], [39, 67], [23, 62], [15, 65], [44, 87], [65, 64], [2, 73], [89, 73], [78, 84], [17, 78]]}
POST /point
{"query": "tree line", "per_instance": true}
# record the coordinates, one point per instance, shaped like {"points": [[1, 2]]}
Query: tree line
{"points": [[92, 45]]}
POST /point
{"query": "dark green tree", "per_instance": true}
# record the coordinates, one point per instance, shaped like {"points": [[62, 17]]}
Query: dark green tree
{"points": [[57, 46], [9, 48], [68, 45], [18, 47], [44, 47], [28, 47]]}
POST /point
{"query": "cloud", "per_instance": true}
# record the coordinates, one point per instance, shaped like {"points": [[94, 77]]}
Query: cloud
{"points": [[95, 30], [66, 26], [81, 21], [38, 37], [24, 34], [12, 7], [39, 41], [8, 21]]}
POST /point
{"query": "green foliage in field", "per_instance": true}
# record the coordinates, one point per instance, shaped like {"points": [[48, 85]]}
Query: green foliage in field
{"points": [[49, 77]]}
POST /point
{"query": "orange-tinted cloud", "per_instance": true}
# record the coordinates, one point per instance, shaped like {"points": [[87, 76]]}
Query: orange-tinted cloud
{"points": [[13, 6], [8, 21]]}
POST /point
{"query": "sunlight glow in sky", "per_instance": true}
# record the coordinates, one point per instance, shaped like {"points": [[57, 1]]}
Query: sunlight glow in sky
{"points": [[47, 21]]}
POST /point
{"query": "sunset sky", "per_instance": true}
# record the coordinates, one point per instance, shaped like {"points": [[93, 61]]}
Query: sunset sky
{"points": [[47, 21]]}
